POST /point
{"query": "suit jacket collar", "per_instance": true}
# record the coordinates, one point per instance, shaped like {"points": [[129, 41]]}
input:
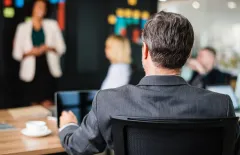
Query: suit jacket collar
{"points": [[162, 81]]}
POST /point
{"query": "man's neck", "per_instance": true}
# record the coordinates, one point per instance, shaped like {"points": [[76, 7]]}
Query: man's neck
{"points": [[163, 72], [37, 23]]}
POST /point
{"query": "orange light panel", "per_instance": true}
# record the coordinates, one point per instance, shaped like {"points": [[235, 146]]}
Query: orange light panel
{"points": [[61, 15], [7, 3]]}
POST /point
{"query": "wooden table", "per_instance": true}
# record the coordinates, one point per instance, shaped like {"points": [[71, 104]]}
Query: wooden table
{"points": [[13, 142]]}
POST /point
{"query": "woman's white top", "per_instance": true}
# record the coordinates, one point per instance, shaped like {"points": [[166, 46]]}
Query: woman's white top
{"points": [[23, 44], [118, 75]]}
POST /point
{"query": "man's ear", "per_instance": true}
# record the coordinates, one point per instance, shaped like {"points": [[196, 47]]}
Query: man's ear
{"points": [[145, 51]]}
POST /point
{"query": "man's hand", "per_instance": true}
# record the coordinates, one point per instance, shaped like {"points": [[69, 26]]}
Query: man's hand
{"points": [[196, 66], [67, 117]]}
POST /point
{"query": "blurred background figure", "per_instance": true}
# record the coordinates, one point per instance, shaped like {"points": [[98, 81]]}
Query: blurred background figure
{"points": [[118, 52], [238, 87], [38, 45], [204, 69]]}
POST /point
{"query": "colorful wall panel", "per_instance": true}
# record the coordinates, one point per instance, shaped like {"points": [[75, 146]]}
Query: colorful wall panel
{"points": [[61, 14], [19, 3], [128, 17]]}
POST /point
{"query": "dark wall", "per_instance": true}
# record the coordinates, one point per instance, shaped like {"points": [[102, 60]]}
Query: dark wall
{"points": [[13, 86], [87, 29], [11, 67], [1, 60], [84, 64]]}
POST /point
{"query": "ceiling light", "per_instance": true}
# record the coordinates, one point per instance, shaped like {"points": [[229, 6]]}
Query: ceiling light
{"points": [[196, 5], [232, 5], [162, 0]]}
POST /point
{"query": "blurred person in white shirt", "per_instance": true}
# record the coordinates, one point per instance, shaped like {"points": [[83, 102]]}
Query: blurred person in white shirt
{"points": [[238, 87]]}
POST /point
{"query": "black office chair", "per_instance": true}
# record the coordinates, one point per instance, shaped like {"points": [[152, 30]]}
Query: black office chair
{"points": [[134, 136]]}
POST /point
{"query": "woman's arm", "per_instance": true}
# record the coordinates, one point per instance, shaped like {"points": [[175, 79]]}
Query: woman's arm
{"points": [[60, 46], [34, 52], [18, 49], [45, 48]]}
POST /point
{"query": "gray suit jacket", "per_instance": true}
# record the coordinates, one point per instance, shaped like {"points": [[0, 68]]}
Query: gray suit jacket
{"points": [[153, 97]]}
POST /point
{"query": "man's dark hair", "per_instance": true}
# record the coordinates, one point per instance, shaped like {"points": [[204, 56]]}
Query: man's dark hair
{"points": [[211, 50], [169, 37]]}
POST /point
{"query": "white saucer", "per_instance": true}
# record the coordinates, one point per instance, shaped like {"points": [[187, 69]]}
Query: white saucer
{"points": [[31, 134]]}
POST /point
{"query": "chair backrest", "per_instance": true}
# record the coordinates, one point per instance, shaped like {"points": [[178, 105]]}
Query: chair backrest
{"points": [[136, 136]]}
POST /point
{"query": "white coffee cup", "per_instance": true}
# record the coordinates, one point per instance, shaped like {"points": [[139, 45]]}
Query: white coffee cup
{"points": [[36, 126]]}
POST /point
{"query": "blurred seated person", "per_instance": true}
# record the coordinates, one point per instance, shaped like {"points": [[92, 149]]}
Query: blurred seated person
{"points": [[38, 46], [204, 69], [118, 52], [238, 87]]}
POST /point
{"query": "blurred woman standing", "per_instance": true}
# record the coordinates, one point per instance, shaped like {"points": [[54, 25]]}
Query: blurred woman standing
{"points": [[38, 46], [118, 52]]}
